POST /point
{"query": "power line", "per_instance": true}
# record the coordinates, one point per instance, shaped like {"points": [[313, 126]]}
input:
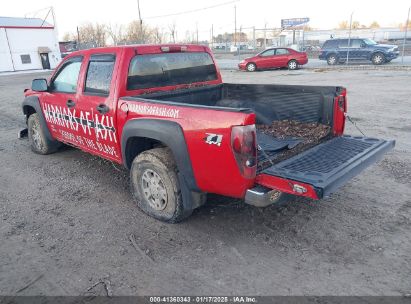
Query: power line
{"points": [[194, 10]]}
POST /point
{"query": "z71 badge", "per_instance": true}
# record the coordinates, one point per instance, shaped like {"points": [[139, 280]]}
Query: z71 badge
{"points": [[213, 139]]}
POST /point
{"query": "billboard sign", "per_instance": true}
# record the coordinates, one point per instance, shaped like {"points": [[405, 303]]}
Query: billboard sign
{"points": [[293, 22]]}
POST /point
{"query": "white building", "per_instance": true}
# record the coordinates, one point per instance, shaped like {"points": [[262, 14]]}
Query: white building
{"points": [[27, 43]]}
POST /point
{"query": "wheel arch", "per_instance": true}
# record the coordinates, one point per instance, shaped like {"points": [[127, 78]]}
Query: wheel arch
{"points": [[31, 105], [332, 54], [150, 133], [293, 59], [375, 52], [252, 62]]}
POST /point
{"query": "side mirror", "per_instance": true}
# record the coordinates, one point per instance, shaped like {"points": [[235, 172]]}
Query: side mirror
{"points": [[39, 85], [363, 45]]}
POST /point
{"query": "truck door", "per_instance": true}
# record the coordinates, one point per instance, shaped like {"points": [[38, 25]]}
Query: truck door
{"points": [[97, 107], [58, 104]]}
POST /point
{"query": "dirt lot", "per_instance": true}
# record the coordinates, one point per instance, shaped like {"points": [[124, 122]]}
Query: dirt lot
{"points": [[66, 218]]}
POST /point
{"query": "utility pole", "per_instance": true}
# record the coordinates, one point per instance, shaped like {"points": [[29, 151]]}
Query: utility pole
{"points": [[141, 21], [212, 36], [78, 39], [254, 37], [265, 35], [197, 32], [235, 25], [405, 35], [349, 39], [239, 44]]}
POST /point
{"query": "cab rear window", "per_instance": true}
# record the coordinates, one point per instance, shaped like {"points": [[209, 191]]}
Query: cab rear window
{"points": [[167, 69]]}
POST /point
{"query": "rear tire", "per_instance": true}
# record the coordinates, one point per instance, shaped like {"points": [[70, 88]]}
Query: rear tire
{"points": [[39, 143], [251, 67], [378, 59], [155, 186], [292, 65], [332, 60]]}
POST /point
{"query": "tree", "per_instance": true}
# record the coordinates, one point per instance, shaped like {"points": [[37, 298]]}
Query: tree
{"points": [[402, 25], [158, 35], [92, 35], [116, 33], [374, 24], [355, 25], [173, 31], [137, 32], [69, 37], [343, 25]]}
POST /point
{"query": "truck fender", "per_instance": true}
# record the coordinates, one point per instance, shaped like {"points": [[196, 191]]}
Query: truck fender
{"points": [[33, 102], [170, 134]]}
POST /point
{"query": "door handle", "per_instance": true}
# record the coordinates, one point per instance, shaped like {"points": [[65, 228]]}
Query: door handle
{"points": [[70, 103], [102, 108]]}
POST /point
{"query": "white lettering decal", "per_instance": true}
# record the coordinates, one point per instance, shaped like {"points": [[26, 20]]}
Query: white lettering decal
{"points": [[153, 110]]}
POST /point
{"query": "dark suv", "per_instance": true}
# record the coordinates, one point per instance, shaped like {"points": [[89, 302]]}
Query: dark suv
{"points": [[335, 51]]}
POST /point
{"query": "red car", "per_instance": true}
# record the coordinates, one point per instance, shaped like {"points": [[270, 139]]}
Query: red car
{"points": [[274, 58]]}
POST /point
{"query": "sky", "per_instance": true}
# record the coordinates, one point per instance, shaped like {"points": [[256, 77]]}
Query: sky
{"points": [[258, 13]]}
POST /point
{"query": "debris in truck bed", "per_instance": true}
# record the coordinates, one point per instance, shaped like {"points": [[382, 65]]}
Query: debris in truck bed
{"points": [[309, 134]]}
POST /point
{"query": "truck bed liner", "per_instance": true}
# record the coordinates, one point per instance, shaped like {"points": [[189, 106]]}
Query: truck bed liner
{"points": [[330, 164]]}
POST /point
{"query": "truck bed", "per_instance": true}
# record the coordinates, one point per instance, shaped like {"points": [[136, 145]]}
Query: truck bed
{"points": [[325, 164], [304, 104]]}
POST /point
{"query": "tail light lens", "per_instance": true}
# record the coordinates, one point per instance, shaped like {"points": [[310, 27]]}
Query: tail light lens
{"points": [[244, 145], [340, 108]]}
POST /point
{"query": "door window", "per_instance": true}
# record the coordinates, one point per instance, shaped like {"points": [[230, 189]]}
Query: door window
{"points": [[356, 43], [281, 52], [268, 53], [343, 43], [330, 44], [99, 74], [67, 76]]}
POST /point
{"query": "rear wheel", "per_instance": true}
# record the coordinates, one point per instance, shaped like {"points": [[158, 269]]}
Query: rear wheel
{"points": [[155, 185], [292, 64], [332, 60], [251, 67], [378, 58]]}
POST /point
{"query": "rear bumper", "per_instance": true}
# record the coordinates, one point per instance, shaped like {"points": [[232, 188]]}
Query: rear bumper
{"points": [[322, 56], [258, 196]]}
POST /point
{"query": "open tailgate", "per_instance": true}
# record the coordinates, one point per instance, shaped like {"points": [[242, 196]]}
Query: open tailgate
{"points": [[329, 165]]}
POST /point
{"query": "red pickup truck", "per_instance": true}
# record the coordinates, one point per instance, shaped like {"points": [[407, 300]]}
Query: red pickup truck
{"points": [[164, 113]]}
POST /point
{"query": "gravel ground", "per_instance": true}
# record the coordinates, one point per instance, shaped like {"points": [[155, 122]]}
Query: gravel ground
{"points": [[66, 219]]}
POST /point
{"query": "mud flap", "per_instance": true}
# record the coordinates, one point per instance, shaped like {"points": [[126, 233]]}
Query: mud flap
{"points": [[330, 165]]}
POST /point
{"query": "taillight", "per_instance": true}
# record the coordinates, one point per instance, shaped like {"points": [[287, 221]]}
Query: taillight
{"points": [[244, 145], [340, 108]]}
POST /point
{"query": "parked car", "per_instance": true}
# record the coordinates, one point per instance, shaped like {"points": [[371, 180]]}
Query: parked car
{"points": [[274, 58], [164, 113], [335, 51]]}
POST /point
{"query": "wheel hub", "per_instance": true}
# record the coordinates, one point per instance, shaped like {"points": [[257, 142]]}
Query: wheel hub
{"points": [[154, 189]]}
